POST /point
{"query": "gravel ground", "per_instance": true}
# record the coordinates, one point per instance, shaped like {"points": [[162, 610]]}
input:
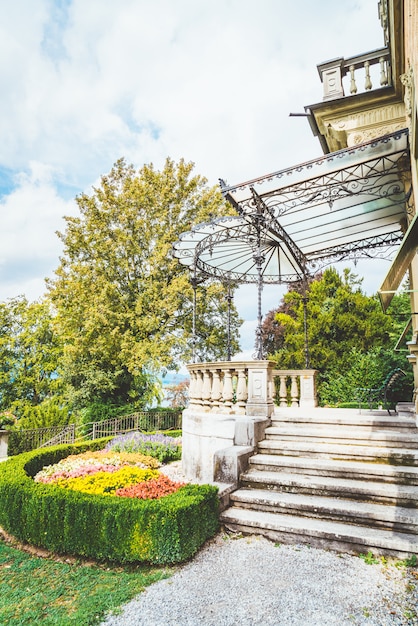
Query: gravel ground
{"points": [[250, 581]]}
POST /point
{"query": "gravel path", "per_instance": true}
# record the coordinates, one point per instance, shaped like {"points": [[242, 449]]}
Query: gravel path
{"points": [[250, 581]]}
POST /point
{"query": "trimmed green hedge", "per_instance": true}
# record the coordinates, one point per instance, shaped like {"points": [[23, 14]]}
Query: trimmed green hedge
{"points": [[168, 530]]}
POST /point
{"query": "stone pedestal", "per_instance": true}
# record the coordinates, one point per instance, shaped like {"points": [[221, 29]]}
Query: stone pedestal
{"points": [[307, 398], [4, 442], [204, 434], [260, 401]]}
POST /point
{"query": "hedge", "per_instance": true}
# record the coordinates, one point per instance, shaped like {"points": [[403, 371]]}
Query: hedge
{"points": [[163, 531]]}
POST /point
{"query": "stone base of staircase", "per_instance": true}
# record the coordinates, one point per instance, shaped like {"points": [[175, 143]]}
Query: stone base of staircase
{"points": [[333, 479]]}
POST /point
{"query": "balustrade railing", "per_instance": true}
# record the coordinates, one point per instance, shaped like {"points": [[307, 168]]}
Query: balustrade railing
{"points": [[358, 69], [223, 387], [218, 387], [294, 388]]}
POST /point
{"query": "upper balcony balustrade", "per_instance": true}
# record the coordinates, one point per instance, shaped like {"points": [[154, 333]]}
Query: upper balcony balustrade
{"points": [[363, 96], [360, 72]]}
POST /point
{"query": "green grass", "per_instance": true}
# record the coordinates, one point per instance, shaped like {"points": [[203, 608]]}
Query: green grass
{"points": [[37, 590]]}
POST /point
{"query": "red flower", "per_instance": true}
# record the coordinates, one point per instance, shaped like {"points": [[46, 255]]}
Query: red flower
{"points": [[151, 489]]}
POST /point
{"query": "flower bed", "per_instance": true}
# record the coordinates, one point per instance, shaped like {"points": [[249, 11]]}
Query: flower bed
{"points": [[144, 516], [109, 473]]}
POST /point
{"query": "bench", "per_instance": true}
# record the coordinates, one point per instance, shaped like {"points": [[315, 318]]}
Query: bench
{"points": [[380, 394]]}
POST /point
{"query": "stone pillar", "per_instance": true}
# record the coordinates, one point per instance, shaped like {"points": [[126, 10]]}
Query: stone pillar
{"points": [[331, 74], [260, 401], [308, 389], [4, 442]]}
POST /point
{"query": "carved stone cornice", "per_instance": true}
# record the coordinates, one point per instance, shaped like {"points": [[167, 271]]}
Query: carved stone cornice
{"points": [[353, 128]]}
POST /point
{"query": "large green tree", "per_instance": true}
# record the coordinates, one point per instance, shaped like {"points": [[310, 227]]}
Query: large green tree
{"points": [[30, 354], [350, 340], [123, 303]]}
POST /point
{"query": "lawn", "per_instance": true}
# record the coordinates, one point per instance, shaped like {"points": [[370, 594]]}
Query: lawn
{"points": [[46, 591]]}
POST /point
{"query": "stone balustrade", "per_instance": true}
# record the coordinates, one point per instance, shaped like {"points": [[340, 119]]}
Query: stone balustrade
{"points": [[295, 388], [218, 387], [231, 387], [230, 406], [358, 69]]}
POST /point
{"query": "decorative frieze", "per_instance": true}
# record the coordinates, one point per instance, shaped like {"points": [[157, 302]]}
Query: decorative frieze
{"points": [[354, 129]]}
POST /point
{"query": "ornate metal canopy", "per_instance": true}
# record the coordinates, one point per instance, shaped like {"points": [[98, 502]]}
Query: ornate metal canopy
{"points": [[344, 205], [291, 223], [226, 249]]}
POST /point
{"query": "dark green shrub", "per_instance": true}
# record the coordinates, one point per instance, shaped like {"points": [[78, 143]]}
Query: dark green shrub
{"points": [[168, 530], [37, 459]]}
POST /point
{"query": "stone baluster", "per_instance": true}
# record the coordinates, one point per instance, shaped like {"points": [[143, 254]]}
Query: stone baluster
{"points": [[227, 391], [221, 399], [206, 390], [283, 391], [192, 388], [242, 391], [353, 86], [198, 388], [383, 72], [368, 82], [271, 387], [216, 394], [294, 391]]}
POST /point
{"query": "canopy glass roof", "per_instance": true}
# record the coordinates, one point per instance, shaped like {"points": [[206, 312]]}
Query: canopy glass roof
{"points": [[345, 205]]}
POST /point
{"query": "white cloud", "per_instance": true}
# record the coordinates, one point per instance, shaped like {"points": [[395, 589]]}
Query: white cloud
{"points": [[29, 247], [85, 82]]}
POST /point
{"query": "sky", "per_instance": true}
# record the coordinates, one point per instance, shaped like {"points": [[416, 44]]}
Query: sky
{"points": [[85, 82]]}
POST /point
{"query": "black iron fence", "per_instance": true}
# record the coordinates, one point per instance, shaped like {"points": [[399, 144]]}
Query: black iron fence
{"points": [[25, 440], [143, 420], [147, 421]]}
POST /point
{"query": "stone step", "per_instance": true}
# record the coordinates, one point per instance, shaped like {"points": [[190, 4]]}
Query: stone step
{"points": [[357, 429], [342, 434], [340, 479], [399, 519], [361, 490], [319, 449], [349, 417], [319, 532], [406, 409], [380, 472], [395, 423]]}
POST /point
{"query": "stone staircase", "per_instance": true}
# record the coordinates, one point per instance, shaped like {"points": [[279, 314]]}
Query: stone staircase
{"points": [[333, 479]]}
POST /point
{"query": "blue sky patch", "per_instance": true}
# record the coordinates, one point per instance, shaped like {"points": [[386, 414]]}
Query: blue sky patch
{"points": [[52, 43], [7, 181]]}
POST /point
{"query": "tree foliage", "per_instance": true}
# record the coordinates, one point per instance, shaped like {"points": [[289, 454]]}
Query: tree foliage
{"points": [[123, 302], [30, 353], [178, 395], [350, 340]]}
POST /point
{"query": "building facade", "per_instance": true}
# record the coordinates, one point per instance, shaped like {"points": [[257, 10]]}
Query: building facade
{"points": [[355, 110]]}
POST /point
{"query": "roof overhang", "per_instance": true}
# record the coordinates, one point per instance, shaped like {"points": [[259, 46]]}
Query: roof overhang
{"points": [[400, 264], [345, 205], [289, 224]]}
